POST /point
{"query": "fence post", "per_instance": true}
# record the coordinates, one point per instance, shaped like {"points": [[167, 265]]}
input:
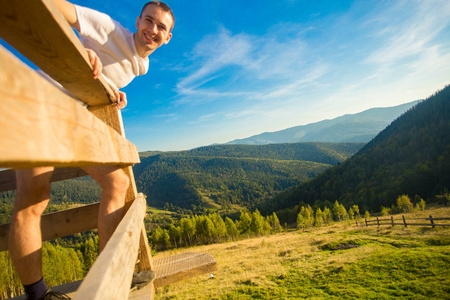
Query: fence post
{"points": [[432, 222], [378, 222], [366, 222], [392, 221], [404, 221]]}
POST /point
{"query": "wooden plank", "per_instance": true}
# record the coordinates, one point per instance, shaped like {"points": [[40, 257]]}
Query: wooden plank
{"points": [[112, 117], [61, 223], [8, 177], [182, 266], [43, 126], [53, 46], [110, 276]]}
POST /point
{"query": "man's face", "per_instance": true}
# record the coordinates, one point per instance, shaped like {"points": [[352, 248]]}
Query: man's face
{"points": [[152, 30]]}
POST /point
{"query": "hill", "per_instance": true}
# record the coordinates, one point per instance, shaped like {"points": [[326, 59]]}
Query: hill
{"points": [[386, 263], [360, 128], [411, 156], [233, 176]]}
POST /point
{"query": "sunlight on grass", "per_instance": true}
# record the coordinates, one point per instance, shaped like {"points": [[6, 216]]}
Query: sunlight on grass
{"points": [[374, 263]]}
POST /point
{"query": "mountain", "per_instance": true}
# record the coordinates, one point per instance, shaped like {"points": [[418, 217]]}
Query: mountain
{"points": [[233, 176], [360, 128], [411, 156]]}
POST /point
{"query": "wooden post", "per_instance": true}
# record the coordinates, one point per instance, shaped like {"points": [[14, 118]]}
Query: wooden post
{"points": [[366, 222], [404, 221], [392, 221], [432, 222], [378, 222]]}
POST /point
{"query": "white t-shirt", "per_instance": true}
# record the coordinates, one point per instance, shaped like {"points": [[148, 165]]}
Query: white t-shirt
{"points": [[114, 45]]}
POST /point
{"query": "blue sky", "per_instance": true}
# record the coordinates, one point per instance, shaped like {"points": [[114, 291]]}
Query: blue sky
{"points": [[238, 68]]}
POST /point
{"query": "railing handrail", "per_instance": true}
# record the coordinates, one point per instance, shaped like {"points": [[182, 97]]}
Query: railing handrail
{"points": [[81, 137]]}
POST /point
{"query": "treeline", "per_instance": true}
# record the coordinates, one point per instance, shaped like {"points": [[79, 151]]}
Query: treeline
{"points": [[60, 265], [208, 229], [411, 156], [326, 153], [305, 216]]}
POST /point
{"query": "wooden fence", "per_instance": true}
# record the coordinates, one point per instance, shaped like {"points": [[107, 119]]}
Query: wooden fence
{"points": [[43, 126], [430, 221]]}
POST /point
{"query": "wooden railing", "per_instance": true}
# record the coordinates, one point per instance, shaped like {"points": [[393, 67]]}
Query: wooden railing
{"points": [[43, 126], [433, 222]]}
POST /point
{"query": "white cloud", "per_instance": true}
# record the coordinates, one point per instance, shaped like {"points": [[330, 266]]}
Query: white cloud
{"points": [[358, 60]]}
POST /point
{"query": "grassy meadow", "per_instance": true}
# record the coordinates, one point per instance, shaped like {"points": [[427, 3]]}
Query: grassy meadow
{"points": [[341, 261]]}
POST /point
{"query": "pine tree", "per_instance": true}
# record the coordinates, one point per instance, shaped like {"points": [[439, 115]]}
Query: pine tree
{"points": [[318, 218], [245, 220], [257, 223], [232, 230]]}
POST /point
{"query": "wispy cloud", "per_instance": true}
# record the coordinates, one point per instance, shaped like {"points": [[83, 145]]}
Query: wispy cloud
{"points": [[406, 30], [350, 60], [241, 65]]}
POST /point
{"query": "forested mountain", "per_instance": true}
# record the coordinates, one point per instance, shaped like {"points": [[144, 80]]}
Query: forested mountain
{"points": [[360, 127], [233, 176], [411, 156]]}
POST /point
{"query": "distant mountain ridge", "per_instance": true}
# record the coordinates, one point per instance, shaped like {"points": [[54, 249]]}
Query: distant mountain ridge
{"points": [[410, 157], [359, 128]]}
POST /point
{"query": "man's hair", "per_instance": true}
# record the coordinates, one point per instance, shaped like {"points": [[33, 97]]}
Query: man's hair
{"points": [[164, 7]]}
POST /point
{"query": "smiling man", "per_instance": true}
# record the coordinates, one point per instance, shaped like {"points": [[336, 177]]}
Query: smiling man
{"points": [[119, 56]]}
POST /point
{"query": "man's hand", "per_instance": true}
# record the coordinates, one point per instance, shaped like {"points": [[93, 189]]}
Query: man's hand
{"points": [[95, 62], [121, 99]]}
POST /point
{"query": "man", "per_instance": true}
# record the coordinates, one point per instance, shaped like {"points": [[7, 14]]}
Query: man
{"points": [[118, 55]]}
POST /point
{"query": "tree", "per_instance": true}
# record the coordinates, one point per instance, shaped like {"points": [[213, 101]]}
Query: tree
{"points": [[232, 230], [385, 211], [404, 203], [339, 212], [356, 212], [219, 224], [175, 234], [257, 224], [245, 220], [187, 229], [304, 219], [275, 222], [318, 218], [420, 203], [327, 216]]}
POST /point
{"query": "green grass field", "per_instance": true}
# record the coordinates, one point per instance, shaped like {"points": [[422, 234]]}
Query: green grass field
{"points": [[336, 262]]}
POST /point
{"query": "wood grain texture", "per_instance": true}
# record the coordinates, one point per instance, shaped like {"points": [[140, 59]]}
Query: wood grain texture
{"points": [[110, 276], [38, 30], [44, 127], [61, 223]]}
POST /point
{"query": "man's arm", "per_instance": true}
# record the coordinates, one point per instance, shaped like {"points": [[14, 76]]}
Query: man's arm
{"points": [[69, 12]]}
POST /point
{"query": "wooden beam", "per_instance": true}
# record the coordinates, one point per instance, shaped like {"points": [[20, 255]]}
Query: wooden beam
{"points": [[53, 46], [111, 116], [44, 127], [61, 223], [110, 276], [8, 177]]}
